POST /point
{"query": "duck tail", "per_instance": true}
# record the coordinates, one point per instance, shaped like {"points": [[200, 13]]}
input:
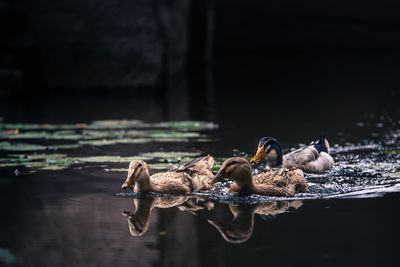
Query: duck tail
{"points": [[322, 144]]}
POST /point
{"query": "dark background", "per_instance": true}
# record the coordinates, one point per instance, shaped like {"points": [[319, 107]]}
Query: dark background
{"points": [[271, 64]]}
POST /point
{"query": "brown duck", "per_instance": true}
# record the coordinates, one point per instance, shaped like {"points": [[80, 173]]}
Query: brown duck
{"points": [[274, 182], [193, 176]]}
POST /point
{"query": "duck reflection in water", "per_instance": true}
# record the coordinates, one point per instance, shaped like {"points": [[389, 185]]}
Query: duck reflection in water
{"points": [[240, 228], [138, 221]]}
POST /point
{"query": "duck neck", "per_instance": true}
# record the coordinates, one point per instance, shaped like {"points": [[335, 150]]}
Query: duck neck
{"points": [[243, 184], [143, 183], [277, 159]]}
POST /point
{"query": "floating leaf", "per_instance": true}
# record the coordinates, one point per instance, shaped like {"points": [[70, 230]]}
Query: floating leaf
{"points": [[7, 146], [173, 135], [115, 141], [116, 124], [109, 159], [188, 125], [169, 154]]}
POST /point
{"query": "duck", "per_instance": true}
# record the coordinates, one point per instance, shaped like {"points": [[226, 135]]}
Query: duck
{"points": [[138, 221], [200, 171], [280, 182], [313, 158], [193, 176], [240, 229]]}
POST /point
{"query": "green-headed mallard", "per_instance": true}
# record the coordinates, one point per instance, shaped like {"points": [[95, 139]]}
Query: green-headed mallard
{"points": [[274, 182], [313, 158]]}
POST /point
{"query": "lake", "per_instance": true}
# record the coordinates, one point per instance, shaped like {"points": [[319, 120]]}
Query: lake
{"points": [[63, 160]]}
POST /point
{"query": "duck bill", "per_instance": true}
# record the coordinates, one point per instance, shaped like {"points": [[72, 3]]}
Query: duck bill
{"points": [[129, 182], [259, 156]]}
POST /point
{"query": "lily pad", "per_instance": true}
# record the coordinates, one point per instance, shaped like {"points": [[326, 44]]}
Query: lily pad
{"points": [[117, 124], [188, 125], [108, 159], [105, 142], [7, 146], [169, 154]]}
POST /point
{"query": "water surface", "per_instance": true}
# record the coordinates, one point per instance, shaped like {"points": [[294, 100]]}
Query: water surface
{"points": [[62, 204]]}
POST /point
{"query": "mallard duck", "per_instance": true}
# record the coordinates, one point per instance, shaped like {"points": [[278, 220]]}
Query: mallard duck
{"points": [[240, 228], [313, 158], [193, 176], [200, 171], [138, 221], [275, 182]]}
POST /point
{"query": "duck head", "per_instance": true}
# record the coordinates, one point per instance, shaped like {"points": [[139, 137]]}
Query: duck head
{"points": [[236, 168], [270, 150], [137, 169]]}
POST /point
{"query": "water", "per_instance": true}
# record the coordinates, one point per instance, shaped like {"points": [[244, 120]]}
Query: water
{"points": [[61, 173], [61, 198]]}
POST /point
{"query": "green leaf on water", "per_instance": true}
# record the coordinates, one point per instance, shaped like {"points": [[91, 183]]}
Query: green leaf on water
{"points": [[105, 142], [108, 159], [169, 154], [173, 135], [116, 124], [187, 125], [7, 146]]}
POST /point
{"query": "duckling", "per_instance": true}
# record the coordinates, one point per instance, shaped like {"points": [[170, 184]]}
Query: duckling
{"points": [[314, 158], [278, 182], [138, 221], [240, 228], [192, 176]]}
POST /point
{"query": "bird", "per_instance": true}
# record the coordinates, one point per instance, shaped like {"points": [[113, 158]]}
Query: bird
{"points": [[192, 176], [313, 158], [200, 171], [276, 182]]}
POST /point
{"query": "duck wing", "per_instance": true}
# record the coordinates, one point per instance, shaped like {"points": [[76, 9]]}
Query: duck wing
{"points": [[172, 182], [291, 179], [199, 170], [197, 164], [274, 176], [323, 163], [308, 159]]}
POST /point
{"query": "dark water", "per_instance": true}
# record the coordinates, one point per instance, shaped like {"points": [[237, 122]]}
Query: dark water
{"points": [[66, 209]]}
